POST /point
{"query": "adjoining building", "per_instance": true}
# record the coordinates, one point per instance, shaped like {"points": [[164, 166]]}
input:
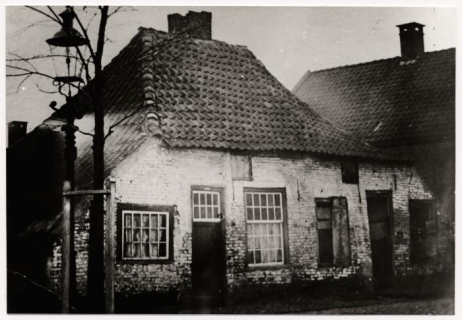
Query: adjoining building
{"points": [[228, 185]]}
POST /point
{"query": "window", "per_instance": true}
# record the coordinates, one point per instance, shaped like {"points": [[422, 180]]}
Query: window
{"points": [[145, 233], [206, 205], [324, 216], [266, 227], [350, 172], [241, 167], [423, 231], [333, 233]]}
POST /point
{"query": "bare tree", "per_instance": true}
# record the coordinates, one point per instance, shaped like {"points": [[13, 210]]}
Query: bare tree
{"points": [[90, 64]]}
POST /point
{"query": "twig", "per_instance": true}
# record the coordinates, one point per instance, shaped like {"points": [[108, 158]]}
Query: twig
{"points": [[85, 34], [110, 131], [45, 14]]}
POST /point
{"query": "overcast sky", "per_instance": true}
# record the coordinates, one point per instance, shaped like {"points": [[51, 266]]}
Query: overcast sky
{"points": [[288, 40]]}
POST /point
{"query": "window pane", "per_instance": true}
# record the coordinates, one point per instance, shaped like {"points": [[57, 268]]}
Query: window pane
{"points": [[128, 235], [264, 214], [270, 200], [264, 242], [216, 213], [137, 253], [278, 243], [277, 228], [263, 200], [145, 220], [196, 199], [196, 212], [251, 243], [271, 229], [154, 221], [163, 219], [128, 250], [264, 257], [256, 227], [250, 229], [162, 235], [145, 251], [326, 253], [137, 237], [248, 199], [128, 220], [136, 220], [272, 256], [154, 251], [215, 199], [155, 236], [249, 214], [271, 242], [279, 256], [209, 212], [146, 235], [202, 201], [278, 214], [277, 199], [203, 213], [162, 249], [209, 199], [257, 256], [257, 214], [256, 200], [271, 214], [257, 243]]}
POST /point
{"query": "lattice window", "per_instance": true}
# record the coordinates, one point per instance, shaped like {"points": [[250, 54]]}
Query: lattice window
{"points": [[145, 235], [265, 232], [206, 206]]}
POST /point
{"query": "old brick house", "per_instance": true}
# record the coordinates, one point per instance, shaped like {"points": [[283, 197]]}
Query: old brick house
{"points": [[405, 104], [225, 184]]}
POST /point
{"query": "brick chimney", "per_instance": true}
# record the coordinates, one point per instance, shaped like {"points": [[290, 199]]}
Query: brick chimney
{"points": [[16, 130], [197, 25], [412, 40]]}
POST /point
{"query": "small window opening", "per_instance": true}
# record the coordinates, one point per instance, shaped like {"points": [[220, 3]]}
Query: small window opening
{"points": [[350, 173]]}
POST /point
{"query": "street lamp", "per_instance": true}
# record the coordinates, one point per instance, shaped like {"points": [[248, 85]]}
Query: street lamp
{"points": [[67, 39]]}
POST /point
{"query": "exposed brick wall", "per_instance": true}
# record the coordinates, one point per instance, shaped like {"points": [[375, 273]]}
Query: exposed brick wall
{"points": [[158, 175]]}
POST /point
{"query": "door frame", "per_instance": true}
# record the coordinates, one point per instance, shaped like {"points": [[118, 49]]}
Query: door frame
{"points": [[389, 195], [222, 222]]}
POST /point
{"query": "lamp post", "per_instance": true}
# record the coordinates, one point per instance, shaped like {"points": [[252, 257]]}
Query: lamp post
{"points": [[67, 38]]}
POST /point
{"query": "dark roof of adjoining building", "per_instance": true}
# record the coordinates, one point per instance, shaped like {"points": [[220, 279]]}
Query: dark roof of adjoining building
{"points": [[387, 101], [208, 94]]}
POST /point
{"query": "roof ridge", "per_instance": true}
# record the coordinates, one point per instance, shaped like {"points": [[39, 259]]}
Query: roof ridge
{"points": [[367, 62]]}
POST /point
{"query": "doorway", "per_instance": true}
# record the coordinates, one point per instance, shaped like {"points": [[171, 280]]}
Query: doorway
{"points": [[379, 211], [208, 250]]}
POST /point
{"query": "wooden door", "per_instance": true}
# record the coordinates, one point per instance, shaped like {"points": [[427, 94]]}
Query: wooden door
{"points": [[208, 264], [379, 213]]}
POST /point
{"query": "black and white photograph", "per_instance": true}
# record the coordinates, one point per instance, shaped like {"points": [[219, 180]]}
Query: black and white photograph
{"points": [[230, 159]]}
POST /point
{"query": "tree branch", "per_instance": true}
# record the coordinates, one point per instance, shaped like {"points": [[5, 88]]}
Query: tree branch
{"points": [[127, 116], [45, 14], [85, 34]]}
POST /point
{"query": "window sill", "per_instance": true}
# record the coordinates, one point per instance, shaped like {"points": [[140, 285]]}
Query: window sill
{"points": [[141, 261], [273, 267]]}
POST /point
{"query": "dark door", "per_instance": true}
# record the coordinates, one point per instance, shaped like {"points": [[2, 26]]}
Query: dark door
{"points": [[208, 264], [379, 213]]}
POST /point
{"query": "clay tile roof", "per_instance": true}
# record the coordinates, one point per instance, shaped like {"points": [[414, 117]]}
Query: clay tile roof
{"points": [[387, 100], [208, 94]]}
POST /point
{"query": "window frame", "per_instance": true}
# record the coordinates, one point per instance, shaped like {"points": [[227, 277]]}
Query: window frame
{"points": [[285, 234], [329, 201], [121, 208], [233, 157], [426, 259], [347, 179]]}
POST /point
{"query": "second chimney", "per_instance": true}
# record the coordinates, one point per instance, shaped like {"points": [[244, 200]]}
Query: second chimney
{"points": [[412, 40], [197, 25]]}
